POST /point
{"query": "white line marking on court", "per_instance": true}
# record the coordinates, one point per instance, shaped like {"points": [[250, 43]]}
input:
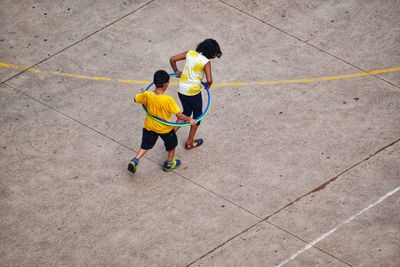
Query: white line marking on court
{"points": [[323, 236]]}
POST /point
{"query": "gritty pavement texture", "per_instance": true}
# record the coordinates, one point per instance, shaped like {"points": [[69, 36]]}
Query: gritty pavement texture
{"points": [[301, 160]]}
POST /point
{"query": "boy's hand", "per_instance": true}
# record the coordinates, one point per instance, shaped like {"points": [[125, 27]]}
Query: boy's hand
{"points": [[178, 74], [192, 121]]}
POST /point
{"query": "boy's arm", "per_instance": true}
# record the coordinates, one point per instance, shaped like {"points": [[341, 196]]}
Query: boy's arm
{"points": [[183, 117], [207, 70], [176, 58], [139, 98]]}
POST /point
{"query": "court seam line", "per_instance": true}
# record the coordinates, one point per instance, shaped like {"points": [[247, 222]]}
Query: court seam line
{"points": [[307, 43], [323, 185], [299, 198], [214, 193], [306, 242], [79, 41], [250, 227], [348, 220]]}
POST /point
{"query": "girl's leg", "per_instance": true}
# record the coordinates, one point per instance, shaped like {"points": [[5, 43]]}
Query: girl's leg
{"points": [[196, 102], [187, 110], [192, 132]]}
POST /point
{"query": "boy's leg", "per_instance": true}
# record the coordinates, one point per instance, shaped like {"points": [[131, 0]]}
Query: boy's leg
{"points": [[171, 155], [140, 153], [149, 139], [170, 141]]}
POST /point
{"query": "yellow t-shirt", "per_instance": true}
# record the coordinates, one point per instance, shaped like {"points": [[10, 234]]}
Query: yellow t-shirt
{"points": [[192, 74], [159, 105]]}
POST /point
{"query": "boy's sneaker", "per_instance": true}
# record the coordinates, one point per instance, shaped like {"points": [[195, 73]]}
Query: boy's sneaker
{"points": [[132, 166], [169, 166]]}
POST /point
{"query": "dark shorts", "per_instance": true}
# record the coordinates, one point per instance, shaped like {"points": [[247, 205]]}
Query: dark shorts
{"points": [[192, 104], [149, 139]]}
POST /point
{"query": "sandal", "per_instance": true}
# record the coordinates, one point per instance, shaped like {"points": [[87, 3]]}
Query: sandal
{"points": [[197, 142]]}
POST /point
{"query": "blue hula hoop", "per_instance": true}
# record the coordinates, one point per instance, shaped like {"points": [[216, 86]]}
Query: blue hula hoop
{"points": [[180, 124]]}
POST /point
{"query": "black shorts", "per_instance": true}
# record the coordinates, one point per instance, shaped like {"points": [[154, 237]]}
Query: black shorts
{"points": [[149, 139], [192, 104]]}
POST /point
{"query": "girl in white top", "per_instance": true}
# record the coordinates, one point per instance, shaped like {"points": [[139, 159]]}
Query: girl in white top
{"points": [[189, 92]]}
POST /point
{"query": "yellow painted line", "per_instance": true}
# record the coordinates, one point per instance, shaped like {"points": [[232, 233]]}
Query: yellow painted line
{"points": [[223, 84], [310, 80], [69, 75], [35, 70], [231, 84], [4, 65], [133, 81], [385, 70], [11, 66]]}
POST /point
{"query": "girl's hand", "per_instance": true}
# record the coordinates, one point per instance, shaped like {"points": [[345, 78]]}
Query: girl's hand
{"points": [[178, 74]]}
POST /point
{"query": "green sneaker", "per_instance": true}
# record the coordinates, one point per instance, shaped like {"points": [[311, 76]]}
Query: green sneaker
{"points": [[169, 166], [132, 166]]}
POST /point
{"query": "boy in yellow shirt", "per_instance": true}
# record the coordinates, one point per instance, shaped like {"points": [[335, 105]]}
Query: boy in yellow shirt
{"points": [[162, 106]]}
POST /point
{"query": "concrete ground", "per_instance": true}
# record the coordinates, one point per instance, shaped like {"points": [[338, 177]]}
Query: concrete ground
{"points": [[301, 160]]}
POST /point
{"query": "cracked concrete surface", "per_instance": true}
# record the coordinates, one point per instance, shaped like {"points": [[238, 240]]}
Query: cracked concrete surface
{"points": [[282, 164]]}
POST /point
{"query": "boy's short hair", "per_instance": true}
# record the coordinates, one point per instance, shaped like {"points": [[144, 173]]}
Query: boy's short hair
{"points": [[209, 48], [160, 78]]}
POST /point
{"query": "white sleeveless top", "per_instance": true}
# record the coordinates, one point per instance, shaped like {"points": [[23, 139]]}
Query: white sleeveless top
{"points": [[192, 74]]}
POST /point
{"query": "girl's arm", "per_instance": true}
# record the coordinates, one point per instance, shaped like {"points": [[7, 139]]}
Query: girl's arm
{"points": [[207, 70], [176, 58]]}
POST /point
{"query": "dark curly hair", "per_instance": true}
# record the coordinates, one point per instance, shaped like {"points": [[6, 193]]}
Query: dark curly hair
{"points": [[209, 48], [160, 78]]}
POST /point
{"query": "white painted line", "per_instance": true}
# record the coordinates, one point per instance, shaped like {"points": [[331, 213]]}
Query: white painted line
{"points": [[323, 236]]}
